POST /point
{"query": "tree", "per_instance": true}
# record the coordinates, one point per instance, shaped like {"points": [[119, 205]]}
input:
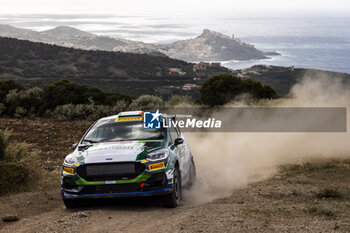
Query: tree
{"points": [[221, 89], [7, 86], [65, 92]]}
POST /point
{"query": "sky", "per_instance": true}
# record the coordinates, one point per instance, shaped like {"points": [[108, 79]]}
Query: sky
{"points": [[169, 20], [188, 8]]}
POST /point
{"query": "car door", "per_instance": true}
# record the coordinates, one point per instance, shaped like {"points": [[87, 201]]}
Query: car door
{"points": [[185, 153], [178, 150]]}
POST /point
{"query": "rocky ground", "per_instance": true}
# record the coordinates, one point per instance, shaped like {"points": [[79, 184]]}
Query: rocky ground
{"points": [[311, 197], [53, 140]]}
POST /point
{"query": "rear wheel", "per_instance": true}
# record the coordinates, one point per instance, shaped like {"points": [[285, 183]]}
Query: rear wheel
{"points": [[71, 203], [172, 200]]}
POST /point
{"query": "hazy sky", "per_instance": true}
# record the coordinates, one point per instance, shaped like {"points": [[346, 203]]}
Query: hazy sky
{"points": [[188, 8]]}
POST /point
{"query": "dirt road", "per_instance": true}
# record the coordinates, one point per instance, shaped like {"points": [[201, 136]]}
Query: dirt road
{"points": [[287, 202], [311, 197]]}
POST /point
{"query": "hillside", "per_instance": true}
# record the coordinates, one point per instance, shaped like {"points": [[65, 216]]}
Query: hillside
{"points": [[130, 73], [282, 79], [127, 73], [208, 46], [212, 46]]}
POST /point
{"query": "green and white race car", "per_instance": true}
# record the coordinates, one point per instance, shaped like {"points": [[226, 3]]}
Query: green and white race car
{"points": [[118, 156]]}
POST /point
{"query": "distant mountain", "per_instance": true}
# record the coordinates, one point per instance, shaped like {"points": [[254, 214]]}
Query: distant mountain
{"points": [[209, 46], [127, 73], [64, 36], [65, 33], [9, 31]]}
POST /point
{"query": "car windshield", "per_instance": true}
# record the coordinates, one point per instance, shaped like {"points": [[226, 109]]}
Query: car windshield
{"points": [[122, 131]]}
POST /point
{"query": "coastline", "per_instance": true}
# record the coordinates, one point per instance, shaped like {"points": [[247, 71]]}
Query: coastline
{"points": [[236, 64]]}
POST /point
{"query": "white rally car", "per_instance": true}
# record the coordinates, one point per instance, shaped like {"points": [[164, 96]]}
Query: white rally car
{"points": [[117, 156]]}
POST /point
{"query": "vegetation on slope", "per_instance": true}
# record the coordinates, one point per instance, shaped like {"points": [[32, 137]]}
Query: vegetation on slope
{"points": [[128, 73], [66, 100], [17, 101], [221, 89]]}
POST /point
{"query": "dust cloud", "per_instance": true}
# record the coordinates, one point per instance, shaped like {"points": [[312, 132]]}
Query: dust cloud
{"points": [[227, 161]]}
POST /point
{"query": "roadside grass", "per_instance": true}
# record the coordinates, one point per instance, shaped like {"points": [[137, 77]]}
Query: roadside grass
{"points": [[329, 193], [268, 212], [22, 170], [325, 179], [318, 189], [313, 166], [49, 180], [321, 211]]}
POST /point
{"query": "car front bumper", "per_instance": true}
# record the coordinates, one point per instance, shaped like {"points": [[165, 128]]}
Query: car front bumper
{"points": [[73, 186], [156, 192], [148, 183]]}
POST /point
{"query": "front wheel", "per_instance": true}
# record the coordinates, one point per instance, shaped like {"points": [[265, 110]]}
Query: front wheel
{"points": [[172, 200], [71, 203]]}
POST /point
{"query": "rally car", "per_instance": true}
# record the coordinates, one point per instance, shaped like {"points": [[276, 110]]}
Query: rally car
{"points": [[118, 156]]}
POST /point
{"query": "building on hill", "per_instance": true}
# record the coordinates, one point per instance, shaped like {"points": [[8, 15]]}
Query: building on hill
{"points": [[205, 65], [189, 86]]}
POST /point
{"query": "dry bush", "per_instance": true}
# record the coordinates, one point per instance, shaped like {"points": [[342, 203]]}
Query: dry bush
{"points": [[147, 103], [81, 112], [20, 170]]}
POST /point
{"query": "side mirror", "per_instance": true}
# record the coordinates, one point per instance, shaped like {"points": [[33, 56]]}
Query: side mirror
{"points": [[74, 146], [178, 141]]}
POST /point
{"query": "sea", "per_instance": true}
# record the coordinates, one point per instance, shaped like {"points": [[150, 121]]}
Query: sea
{"points": [[315, 42]]}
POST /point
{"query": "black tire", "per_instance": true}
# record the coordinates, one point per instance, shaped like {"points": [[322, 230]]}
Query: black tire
{"points": [[193, 174], [172, 200], [71, 203]]}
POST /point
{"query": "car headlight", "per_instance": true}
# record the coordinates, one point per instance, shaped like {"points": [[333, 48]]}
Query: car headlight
{"points": [[158, 155], [70, 160], [68, 170]]}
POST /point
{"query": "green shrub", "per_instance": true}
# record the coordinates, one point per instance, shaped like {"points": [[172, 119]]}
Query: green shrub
{"points": [[76, 101], [329, 193], [2, 108], [11, 176], [24, 102], [66, 112], [65, 92], [4, 135], [221, 89], [99, 111], [317, 210], [81, 112], [19, 168], [21, 112], [7, 86], [120, 106], [17, 151], [146, 103], [34, 93]]}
